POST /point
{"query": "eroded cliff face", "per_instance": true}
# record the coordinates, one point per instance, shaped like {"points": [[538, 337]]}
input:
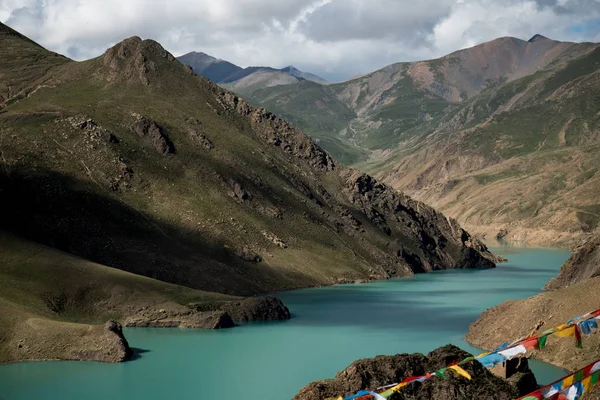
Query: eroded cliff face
{"points": [[419, 236], [582, 265], [370, 373]]}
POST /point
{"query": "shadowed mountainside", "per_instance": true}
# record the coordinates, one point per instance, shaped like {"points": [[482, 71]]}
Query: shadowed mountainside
{"points": [[132, 161]]}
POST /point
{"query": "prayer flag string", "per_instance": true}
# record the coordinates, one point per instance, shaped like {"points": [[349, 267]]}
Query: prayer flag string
{"points": [[583, 325]]}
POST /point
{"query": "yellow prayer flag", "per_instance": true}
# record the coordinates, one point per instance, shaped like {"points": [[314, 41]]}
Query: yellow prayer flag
{"points": [[568, 381], [399, 386], [566, 332], [587, 384], [460, 371]]}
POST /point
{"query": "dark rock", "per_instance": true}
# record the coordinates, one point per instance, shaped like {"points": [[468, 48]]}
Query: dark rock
{"points": [[148, 129], [501, 234], [371, 373], [121, 349], [237, 191], [442, 242], [248, 255], [262, 308], [199, 138]]}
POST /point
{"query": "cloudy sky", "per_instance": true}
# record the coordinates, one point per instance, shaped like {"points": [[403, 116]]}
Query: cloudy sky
{"points": [[336, 39]]}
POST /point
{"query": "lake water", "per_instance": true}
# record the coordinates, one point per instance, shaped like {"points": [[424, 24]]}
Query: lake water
{"points": [[330, 328]]}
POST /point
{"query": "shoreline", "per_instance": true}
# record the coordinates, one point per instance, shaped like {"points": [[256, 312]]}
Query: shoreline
{"points": [[464, 337]]}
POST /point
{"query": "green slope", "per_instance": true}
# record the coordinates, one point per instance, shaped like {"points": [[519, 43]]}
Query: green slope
{"points": [[132, 161]]}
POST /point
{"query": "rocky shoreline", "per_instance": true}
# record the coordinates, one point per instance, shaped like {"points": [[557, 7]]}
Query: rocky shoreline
{"points": [[107, 343], [70, 342], [575, 291]]}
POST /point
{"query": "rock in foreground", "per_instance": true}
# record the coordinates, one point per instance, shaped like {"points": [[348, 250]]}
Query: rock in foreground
{"points": [[370, 373]]}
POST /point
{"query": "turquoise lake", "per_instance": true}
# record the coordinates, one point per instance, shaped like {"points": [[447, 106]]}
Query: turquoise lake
{"points": [[330, 328]]}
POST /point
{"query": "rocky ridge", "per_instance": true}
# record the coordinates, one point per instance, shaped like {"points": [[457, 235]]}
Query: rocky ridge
{"points": [[370, 373]]}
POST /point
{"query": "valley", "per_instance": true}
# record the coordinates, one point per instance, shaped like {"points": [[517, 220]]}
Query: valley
{"points": [[140, 191], [502, 136]]}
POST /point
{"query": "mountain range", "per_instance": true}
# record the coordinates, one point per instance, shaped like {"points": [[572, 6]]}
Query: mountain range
{"points": [[232, 77], [503, 136], [131, 187]]}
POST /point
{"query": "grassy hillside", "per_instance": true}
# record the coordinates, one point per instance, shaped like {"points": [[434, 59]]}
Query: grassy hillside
{"points": [[132, 161], [519, 157], [320, 119], [43, 290], [502, 136]]}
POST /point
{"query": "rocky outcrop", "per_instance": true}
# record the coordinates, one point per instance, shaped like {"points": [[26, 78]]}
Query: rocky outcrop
{"points": [[119, 349], [582, 265], [201, 139], [43, 339], [423, 239], [180, 317], [261, 308], [277, 132], [443, 243], [149, 130], [370, 373]]}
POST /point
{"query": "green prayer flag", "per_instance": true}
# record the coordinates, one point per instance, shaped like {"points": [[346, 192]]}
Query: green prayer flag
{"points": [[542, 342], [440, 373], [578, 376], [595, 376]]}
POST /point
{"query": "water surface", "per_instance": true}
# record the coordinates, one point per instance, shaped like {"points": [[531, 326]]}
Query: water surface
{"points": [[330, 328]]}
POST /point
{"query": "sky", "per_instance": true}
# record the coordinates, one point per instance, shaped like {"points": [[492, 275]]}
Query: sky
{"points": [[336, 39]]}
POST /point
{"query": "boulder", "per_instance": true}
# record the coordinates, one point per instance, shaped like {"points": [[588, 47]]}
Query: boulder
{"points": [[148, 129]]}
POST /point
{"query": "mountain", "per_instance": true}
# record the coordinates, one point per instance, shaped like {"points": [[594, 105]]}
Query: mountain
{"points": [[212, 68], [478, 133], [128, 182], [307, 76], [244, 80]]}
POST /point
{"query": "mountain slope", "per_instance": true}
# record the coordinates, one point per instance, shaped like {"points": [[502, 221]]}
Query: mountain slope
{"points": [[132, 161], [463, 133], [307, 76], [214, 69], [244, 80], [518, 158]]}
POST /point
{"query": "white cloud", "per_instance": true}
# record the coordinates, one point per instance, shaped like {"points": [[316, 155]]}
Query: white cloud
{"points": [[335, 38]]}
